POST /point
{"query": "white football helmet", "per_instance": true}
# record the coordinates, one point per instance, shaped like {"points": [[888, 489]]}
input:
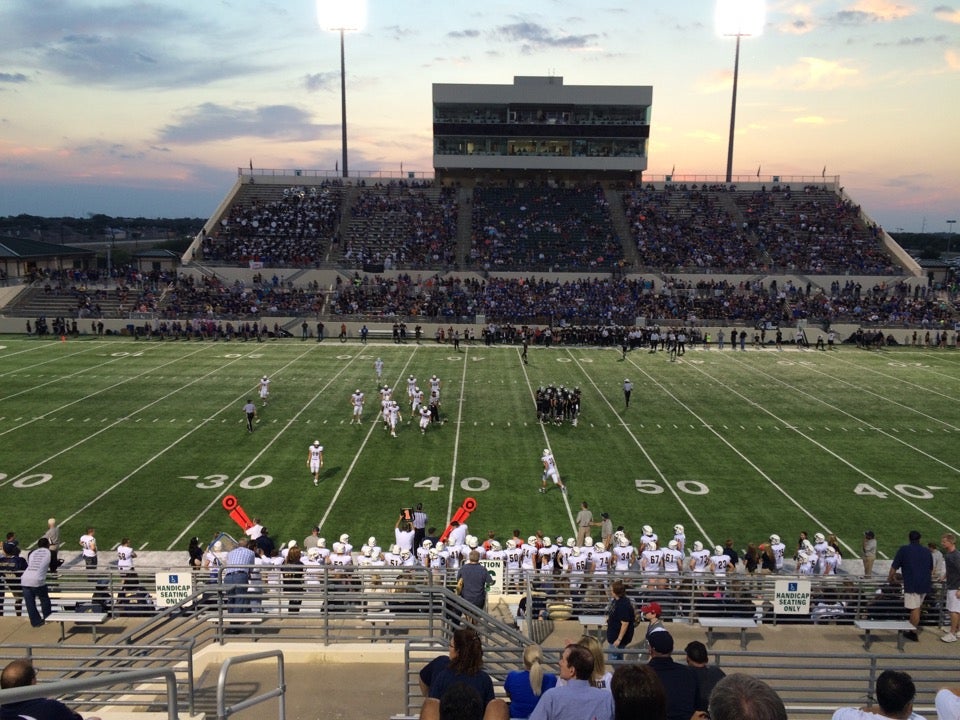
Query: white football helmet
{"points": [[321, 543], [372, 541], [623, 540], [575, 552], [819, 538], [345, 538], [404, 554], [471, 541], [571, 542], [365, 550], [588, 542], [313, 553], [674, 544], [434, 554], [697, 546], [599, 547], [532, 540], [807, 545], [427, 544], [678, 529], [651, 546], [375, 554], [547, 542], [495, 545], [394, 549], [647, 530], [440, 546], [546, 451], [511, 544], [316, 443], [718, 550], [775, 539], [339, 548]]}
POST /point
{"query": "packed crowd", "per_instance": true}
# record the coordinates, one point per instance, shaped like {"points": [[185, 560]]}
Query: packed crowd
{"points": [[404, 227], [294, 230], [610, 301], [543, 228]]}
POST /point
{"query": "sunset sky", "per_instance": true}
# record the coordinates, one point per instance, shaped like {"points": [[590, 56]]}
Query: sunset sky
{"points": [[148, 108]]}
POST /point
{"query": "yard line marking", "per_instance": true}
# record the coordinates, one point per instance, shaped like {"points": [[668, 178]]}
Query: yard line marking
{"points": [[456, 436], [636, 440], [39, 364], [830, 452], [91, 436], [850, 415], [61, 378], [373, 425], [887, 376], [94, 394], [546, 440]]}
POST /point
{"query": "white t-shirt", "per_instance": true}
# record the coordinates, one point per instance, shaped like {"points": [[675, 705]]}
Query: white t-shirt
{"points": [[852, 713], [948, 705]]}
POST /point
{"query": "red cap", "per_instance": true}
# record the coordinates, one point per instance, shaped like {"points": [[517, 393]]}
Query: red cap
{"points": [[651, 608]]}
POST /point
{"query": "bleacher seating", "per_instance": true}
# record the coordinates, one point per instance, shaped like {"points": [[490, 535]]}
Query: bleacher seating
{"points": [[279, 226], [401, 227], [543, 228]]}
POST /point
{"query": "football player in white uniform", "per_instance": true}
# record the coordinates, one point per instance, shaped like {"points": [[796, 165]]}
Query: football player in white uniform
{"points": [[345, 541], [699, 558], [672, 558], [340, 557], [264, 389], [600, 559], [425, 417], [315, 460], [394, 418], [550, 471], [820, 546], [806, 559], [378, 369], [416, 400], [680, 537], [624, 554], [411, 387], [719, 561], [435, 387], [651, 560], [528, 562], [831, 562], [649, 536], [356, 402], [779, 550], [545, 555], [423, 552]]}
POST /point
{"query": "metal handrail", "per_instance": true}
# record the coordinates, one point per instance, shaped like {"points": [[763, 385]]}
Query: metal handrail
{"points": [[224, 711], [66, 687]]}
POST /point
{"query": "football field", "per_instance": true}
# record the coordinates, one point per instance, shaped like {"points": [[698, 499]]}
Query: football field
{"points": [[145, 439]]}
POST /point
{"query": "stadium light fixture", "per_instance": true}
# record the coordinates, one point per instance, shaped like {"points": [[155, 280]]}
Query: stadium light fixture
{"points": [[342, 17], [950, 225], [739, 18]]}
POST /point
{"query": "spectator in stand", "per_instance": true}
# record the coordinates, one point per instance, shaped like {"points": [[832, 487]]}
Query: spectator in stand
{"points": [[681, 682], [895, 692], [525, 687], [638, 694], [21, 674], [915, 564], [34, 583], [951, 561], [743, 697], [466, 666], [575, 698], [708, 675], [53, 536]]}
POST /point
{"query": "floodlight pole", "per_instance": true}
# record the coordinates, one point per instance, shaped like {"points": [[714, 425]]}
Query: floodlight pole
{"points": [[733, 109], [343, 101]]}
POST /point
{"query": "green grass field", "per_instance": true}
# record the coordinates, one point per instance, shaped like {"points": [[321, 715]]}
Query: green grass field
{"points": [[144, 439]]}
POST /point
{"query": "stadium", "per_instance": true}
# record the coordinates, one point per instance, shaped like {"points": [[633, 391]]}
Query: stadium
{"points": [[794, 370]]}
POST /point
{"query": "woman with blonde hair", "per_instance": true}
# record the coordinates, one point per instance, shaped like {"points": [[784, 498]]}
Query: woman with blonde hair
{"points": [[524, 687], [601, 677]]}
